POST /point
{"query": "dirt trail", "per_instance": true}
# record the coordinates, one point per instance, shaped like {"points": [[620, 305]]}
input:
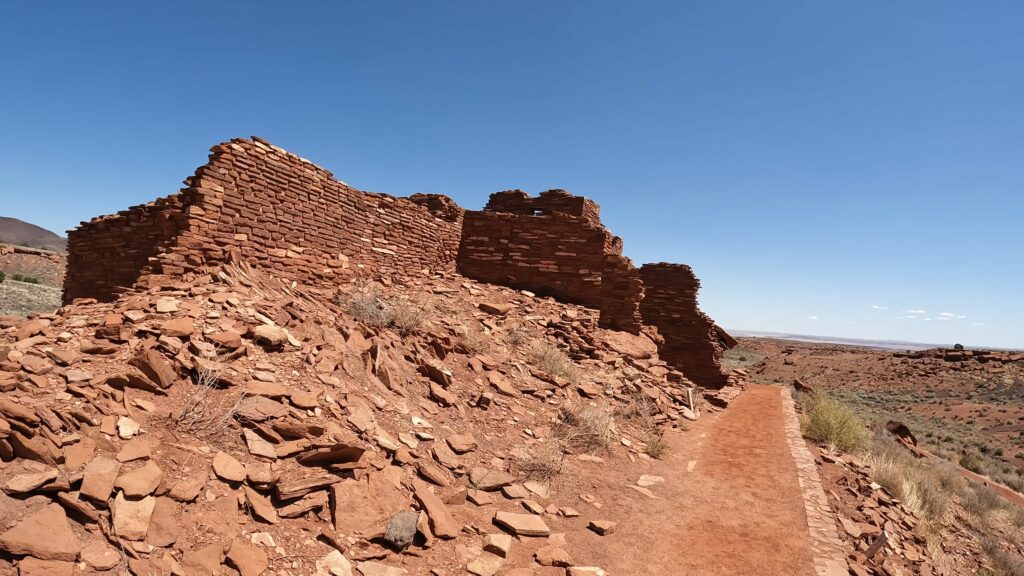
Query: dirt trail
{"points": [[738, 510]]}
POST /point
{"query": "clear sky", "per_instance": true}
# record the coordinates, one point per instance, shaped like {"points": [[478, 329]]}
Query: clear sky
{"points": [[833, 168]]}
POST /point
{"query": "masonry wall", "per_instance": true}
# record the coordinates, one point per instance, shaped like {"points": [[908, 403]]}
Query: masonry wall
{"points": [[263, 205], [546, 203], [553, 245], [110, 252], [693, 343]]}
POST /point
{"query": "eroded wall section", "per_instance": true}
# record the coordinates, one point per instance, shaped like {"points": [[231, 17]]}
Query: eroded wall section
{"points": [[268, 207], [693, 343], [110, 252], [553, 245]]}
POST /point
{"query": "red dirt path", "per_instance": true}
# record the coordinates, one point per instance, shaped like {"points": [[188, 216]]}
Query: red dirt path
{"points": [[740, 511]]}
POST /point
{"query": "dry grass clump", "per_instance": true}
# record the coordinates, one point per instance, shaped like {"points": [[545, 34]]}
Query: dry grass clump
{"points": [[206, 412], [640, 412], [541, 461], [1005, 563], [367, 305], [654, 444], [585, 427], [550, 360], [516, 338], [474, 341], [924, 487], [980, 500], [828, 420], [405, 315]]}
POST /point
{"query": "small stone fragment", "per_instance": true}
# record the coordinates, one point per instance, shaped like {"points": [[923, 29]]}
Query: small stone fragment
{"points": [[227, 468], [602, 527], [522, 524]]}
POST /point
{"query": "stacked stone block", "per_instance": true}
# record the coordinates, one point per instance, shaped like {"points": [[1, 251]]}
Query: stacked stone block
{"points": [[553, 245], [263, 205], [693, 343]]}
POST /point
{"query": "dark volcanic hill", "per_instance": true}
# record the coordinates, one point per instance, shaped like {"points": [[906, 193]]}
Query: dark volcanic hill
{"points": [[14, 231]]}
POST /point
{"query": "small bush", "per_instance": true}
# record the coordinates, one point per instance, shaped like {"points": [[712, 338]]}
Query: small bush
{"points": [[540, 461], [25, 279], [3, 276], [828, 420], [585, 427], [406, 315], [980, 500], [924, 487], [516, 338], [552, 361], [973, 462], [367, 305], [655, 444], [1006, 563]]}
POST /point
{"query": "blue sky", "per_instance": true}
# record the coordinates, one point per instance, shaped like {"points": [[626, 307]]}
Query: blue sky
{"points": [[850, 169]]}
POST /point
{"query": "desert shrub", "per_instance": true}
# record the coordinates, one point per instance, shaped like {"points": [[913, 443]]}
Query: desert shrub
{"points": [[585, 427], [540, 461], [980, 500], [405, 315], [207, 412], [3, 276], [516, 338], [367, 305], [973, 462], [25, 279], [1005, 563], [654, 444], [552, 361], [828, 420]]}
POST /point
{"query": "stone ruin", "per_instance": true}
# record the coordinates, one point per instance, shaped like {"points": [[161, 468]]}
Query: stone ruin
{"points": [[256, 203]]}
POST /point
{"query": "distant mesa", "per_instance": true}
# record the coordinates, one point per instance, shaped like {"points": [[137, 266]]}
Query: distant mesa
{"points": [[21, 233]]}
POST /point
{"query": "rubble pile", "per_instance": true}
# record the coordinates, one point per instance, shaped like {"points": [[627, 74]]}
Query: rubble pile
{"points": [[243, 424], [881, 531]]}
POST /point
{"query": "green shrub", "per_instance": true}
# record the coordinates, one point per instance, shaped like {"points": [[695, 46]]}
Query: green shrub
{"points": [[25, 279], [3, 277], [828, 420]]}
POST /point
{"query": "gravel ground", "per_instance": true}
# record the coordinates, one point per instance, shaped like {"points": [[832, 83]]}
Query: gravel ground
{"points": [[19, 298]]}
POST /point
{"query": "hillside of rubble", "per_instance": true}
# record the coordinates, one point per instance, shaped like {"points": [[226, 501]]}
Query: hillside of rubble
{"points": [[280, 429]]}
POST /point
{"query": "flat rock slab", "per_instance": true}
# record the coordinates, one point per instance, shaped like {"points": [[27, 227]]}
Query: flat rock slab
{"points": [[227, 468], [142, 481], [45, 535], [488, 479], [522, 524], [131, 517], [23, 483]]}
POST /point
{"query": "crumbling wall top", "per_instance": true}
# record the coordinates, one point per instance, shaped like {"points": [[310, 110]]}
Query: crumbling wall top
{"points": [[548, 202]]}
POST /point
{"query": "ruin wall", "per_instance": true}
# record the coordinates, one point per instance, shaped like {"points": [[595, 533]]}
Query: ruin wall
{"points": [[109, 253], [693, 342], [260, 204], [553, 245]]}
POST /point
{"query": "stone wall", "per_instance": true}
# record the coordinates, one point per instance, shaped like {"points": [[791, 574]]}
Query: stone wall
{"points": [[693, 342], [553, 245], [263, 205], [546, 203], [110, 253], [256, 203]]}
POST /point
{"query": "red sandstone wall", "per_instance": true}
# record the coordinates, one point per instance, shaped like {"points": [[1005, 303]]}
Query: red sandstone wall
{"points": [[273, 209], [693, 343], [553, 245], [110, 252], [546, 203]]}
